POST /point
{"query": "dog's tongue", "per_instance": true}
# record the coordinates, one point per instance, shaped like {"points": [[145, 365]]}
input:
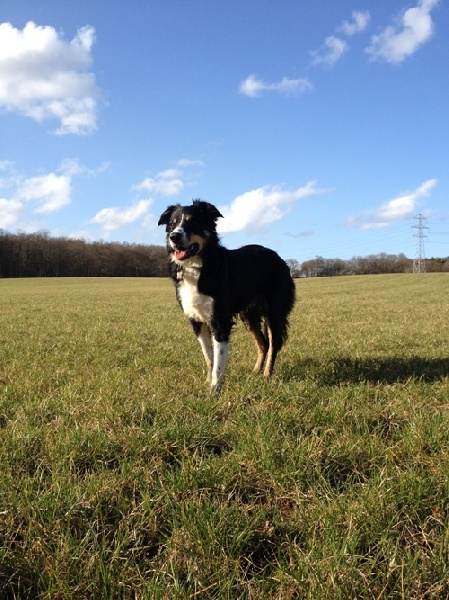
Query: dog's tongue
{"points": [[180, 254]]}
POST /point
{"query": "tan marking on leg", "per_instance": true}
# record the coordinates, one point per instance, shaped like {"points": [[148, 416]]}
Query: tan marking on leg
{"points": [[271, 356], [261, 344], [261, 350]]}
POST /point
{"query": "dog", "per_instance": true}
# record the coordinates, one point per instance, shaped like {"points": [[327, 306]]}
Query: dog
{"points": [[214, 285]]}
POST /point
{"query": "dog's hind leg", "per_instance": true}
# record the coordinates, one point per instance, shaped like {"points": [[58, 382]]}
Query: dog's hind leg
{"points": [[275, 329], [252, 323], [204, 337], [272, 353], [278, 310], [277, 326]]}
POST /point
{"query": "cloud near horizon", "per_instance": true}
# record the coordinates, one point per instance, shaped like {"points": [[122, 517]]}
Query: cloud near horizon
{"points": [[115, 217], [44, 77], [49, 192], [254, 209], [168, 182], [38, 195], [413, 29], [393, 211]]}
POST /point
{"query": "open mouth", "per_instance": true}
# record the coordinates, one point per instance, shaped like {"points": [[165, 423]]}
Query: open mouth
{"points": [[183, 253]]}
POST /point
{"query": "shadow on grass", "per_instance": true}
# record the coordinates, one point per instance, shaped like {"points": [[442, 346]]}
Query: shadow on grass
{"points": [[372, 370]]}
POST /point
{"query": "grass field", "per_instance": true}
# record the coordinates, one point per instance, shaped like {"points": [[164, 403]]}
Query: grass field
{"points": [[121, 477]]}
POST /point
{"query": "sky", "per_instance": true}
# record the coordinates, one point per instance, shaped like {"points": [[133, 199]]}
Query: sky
{"points": [[317, 128]]}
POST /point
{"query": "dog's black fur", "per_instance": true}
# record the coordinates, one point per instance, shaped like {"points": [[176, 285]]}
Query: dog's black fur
{"points": [[214, 284]]}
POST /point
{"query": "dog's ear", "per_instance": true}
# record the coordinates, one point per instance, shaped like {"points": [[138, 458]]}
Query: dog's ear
{"points": [[165, 216], [208, 209]]}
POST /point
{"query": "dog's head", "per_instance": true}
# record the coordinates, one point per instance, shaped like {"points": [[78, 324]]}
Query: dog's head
{"points": [[189, 228]]}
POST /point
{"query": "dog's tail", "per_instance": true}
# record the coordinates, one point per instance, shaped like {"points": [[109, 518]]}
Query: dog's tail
{"points": [[280, 304], [287, 301]]}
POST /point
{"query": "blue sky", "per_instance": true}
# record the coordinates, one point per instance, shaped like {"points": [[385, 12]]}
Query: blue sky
{"points": [[317, 127]]}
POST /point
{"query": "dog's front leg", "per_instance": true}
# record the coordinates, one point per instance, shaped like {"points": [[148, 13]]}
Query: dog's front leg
{"points": [[205, 339], [204, 336], [220, 349]]}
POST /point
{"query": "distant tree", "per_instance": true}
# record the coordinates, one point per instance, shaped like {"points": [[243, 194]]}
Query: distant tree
{"points": [[332, 267], [309, 268], [295, 267]]}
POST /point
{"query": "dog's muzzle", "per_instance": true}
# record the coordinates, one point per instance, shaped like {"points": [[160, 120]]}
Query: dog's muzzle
{"points": [[181, 251]]}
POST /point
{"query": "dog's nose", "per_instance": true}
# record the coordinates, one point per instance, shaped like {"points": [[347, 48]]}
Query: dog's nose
{"points": [[175, 237]]}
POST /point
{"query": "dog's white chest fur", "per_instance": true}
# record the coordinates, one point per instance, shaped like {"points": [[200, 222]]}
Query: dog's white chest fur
{"points": [[195, 305]]}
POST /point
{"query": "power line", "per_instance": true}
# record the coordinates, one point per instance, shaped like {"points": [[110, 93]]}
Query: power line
{"points": [[419, 262]]}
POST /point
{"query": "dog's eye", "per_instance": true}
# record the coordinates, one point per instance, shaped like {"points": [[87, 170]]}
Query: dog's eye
{"points": [[173, 224]]}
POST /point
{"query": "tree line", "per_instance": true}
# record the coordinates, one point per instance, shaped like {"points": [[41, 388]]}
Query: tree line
{"points": [[40, 255], [363, 265]]}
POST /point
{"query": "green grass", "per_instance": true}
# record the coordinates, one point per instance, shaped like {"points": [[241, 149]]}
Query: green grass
{"points": [[121, 477]]}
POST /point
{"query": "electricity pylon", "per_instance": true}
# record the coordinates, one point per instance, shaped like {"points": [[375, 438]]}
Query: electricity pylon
{"points": [[419, 262]]}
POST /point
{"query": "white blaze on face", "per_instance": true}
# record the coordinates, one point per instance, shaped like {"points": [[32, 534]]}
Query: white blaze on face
{"points": [[179, 229]]}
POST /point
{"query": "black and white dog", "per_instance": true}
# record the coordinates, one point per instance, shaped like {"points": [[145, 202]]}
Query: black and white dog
{"points": [[214, 284]]}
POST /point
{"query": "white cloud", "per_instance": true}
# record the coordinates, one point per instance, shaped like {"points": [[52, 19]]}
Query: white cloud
{"points": [[262, 206], [360, 21], [165, 183], [9, 212], [330, 52], [6, 165], [414, 28], [184, 163], [116, 217], [50, 192], [395, 210], [43, 76], [8, 175], [334, 47], [170, 182], [72, 167], [403, 206], [253, 87], [38, 195]]}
